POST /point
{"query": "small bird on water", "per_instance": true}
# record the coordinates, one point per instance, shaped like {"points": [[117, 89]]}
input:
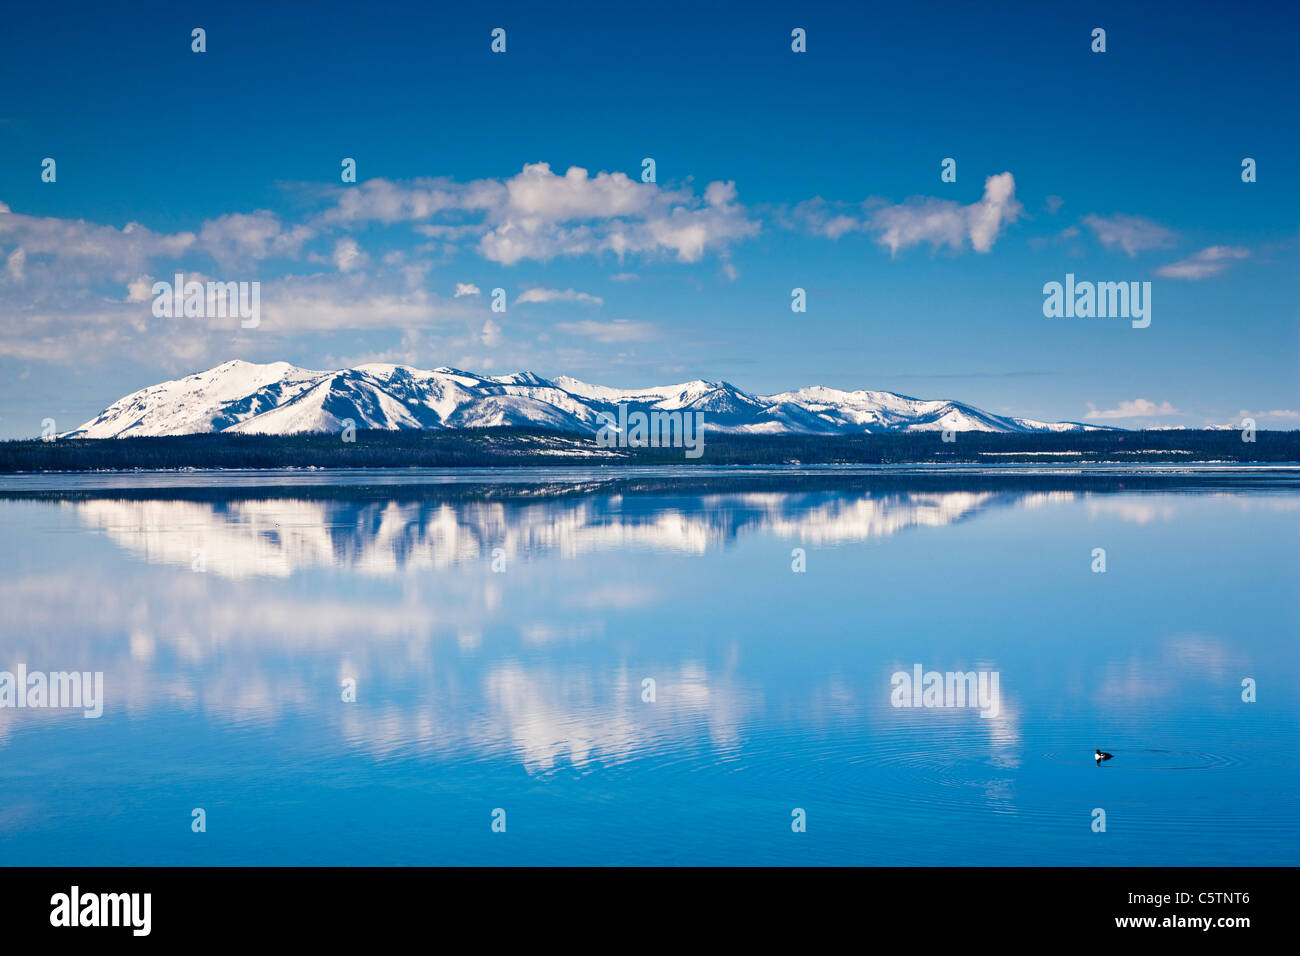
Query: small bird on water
{"points": [[1101, 755]]}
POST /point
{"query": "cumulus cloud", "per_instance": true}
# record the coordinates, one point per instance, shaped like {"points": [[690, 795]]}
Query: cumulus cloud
{"points": [[539, 214], [1209, 262], [51, 267], [558, 295], [537, 193], [546, 216], [86, 252], [140, 290], [79, 251], [1137, 408], [924, 220], [1133, 234], [491, 334], [386, 201], [998, 206], [348, 255], [240, 237]]}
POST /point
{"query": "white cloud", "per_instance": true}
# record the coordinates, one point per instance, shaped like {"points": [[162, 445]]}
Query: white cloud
{"points": [[62, 267], [78, 250], [1287, 414], [82, 251], [826, 219], [1133, 234], [997, 207], [938, 222], [1209, 262], [836, 226], [390, 202], [1137, 408], [540, 215], [945, 222], [537, 193], [491, 334], [15, 263], [348, 256], [619, 330], [351, 301], [239, 237], [140, 290], [451, 233], [558, 295], [67, 334]]}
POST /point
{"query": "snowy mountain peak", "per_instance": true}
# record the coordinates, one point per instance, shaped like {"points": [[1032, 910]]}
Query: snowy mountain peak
{"points": [[281, 399]]}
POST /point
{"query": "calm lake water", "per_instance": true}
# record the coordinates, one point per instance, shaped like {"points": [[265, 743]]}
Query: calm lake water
{"points": [[500, 628]]}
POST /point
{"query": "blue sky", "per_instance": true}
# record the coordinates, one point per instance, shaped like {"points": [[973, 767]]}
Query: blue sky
{"points": [[774, 170]]}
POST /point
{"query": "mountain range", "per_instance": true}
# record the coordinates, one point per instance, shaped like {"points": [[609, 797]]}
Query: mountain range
{"points": [[281, 399]]}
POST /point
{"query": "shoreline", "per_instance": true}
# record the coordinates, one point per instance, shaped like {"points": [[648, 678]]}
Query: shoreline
{"points": [[558, 481]]}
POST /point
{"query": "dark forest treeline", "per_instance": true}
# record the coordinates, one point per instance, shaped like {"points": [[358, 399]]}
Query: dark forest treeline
{"points": [[514, 447]]}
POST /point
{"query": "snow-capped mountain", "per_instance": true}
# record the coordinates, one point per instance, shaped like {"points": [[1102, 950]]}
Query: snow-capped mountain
{"points": [[282, 399]]}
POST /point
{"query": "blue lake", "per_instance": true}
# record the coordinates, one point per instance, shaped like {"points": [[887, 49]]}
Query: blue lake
{"points": [[500, 629]]}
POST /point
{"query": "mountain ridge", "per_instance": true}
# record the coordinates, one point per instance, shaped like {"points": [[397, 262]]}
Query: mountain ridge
{"points": [[279, 398]]}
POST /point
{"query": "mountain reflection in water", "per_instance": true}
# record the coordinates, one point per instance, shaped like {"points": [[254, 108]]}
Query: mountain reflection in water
{"points": [[501, 637]]}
